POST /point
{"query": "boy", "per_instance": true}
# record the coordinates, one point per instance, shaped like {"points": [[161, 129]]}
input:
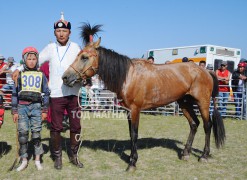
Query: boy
{"points": [[27, 106]]}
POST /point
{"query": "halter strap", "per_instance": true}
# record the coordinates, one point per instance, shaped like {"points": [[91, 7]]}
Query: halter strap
{"points": [[82, 73]]}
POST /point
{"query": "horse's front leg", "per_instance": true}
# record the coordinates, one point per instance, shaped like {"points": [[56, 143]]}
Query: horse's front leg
{"points": [[133, 125]]}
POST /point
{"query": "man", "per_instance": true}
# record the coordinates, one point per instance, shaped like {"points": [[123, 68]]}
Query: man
{"points": [[60, 55], [8, 87], [151, 59], [3, 66], [238, 81], [223, 76], [202, 64]]}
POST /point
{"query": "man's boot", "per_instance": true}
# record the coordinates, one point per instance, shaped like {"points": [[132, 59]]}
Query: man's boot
{"points": [[56, 149], [74, 146]]}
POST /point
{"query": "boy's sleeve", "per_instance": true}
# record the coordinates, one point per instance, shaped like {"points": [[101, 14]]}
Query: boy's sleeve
{"points": [[46, 92], [14, 98]]}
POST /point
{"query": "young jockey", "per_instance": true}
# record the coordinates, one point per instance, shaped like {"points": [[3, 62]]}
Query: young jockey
{"points": [[29, 108]]}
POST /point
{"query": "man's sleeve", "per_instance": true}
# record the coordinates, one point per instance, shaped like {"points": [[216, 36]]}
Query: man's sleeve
{"points": [[46, 91], [20, 68], [44, 55]]}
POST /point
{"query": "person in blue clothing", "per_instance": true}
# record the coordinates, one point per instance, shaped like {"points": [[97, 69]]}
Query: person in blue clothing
{"points": [[30, 101]]}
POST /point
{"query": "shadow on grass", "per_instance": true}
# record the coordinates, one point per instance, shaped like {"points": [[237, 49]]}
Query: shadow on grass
{"points": [[4, 149], [119, 146]]}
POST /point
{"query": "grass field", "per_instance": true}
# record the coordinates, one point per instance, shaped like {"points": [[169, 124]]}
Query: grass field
{"points": [[105, 150]]}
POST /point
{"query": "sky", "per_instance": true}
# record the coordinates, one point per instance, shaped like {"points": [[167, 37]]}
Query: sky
{"points": [[130, 27]]}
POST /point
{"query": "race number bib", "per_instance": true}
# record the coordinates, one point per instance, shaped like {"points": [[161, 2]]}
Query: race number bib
{"points": [[31, 81]]}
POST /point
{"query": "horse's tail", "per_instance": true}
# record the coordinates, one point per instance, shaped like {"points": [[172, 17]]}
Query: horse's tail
{"points": [[218, 124]]}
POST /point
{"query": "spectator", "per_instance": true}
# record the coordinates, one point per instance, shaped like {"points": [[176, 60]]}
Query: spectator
{"points": [[151, 59], [2, 110], [238, 81], [26, 106], [202, 64], [8, 87], [191, 60], [185, 59], [3, 66], [223, 76], [61, 55]]}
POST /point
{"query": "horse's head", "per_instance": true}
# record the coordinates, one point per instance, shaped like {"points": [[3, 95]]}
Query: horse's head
{"points": [[84, 66]]}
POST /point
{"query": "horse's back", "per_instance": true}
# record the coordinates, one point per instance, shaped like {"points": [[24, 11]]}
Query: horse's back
{"points": [[151, 85]]}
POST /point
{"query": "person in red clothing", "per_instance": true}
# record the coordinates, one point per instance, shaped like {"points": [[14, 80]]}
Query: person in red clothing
{"points": [[3, 66], [223, 76]]}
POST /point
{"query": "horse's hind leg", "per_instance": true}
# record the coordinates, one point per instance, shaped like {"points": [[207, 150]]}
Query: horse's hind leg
{"points": [[186, 105], [207, 125]]}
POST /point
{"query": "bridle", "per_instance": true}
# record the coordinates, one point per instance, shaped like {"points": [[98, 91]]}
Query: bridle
{"points": [[83, 73]]}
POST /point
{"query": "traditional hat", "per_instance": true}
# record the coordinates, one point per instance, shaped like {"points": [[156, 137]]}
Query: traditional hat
{"points": [[62, 23]]}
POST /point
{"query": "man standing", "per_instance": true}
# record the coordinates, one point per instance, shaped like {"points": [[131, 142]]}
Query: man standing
{"points": [[238, 81], [61, 55], [223, 76], [3, 66]]}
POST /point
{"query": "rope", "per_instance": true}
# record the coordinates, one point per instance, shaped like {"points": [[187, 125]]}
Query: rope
{"points": [[79, 137]]}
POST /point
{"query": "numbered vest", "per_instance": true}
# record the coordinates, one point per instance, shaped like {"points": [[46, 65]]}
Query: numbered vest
{"points": [[31, 86]]}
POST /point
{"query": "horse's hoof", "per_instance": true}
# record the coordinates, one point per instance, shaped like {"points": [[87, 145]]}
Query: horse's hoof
{"points": [[203, 160], [185, 158], [131, 168]]}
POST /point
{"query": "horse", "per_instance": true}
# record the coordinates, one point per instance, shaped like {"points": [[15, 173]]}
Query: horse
{"points": [[142, 85]]}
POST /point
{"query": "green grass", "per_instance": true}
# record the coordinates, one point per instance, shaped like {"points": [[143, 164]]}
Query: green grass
{"points": [[105, 150]]}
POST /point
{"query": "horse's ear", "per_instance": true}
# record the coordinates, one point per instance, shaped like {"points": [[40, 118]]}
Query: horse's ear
{"points": [[97, 43]]}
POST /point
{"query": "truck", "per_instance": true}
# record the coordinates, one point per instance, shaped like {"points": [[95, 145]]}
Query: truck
{"points": [[212, 54]]}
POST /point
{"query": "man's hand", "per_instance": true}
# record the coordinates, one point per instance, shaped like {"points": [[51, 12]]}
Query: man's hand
{"points": [[15, 118], [44, 116], [15, 75]]}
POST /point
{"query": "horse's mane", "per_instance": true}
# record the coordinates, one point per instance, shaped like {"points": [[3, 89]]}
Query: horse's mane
{"points": [[113, 68]]}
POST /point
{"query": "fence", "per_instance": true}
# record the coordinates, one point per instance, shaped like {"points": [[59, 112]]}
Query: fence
{"points": [[232, 105]]}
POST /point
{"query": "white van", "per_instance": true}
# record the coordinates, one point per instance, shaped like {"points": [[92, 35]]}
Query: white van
{"points": [[212, 54]]}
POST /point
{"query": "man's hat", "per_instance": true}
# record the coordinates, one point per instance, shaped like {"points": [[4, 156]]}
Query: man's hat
{"points": [[223, 63], [11, 59], [2, 57], [62, 23]]}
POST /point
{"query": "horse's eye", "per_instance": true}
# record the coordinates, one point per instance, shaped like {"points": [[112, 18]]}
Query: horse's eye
{"points": [[83, 58]]}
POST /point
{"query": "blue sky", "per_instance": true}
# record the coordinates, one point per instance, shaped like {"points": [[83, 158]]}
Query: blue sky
{"points": [[131, 27]]}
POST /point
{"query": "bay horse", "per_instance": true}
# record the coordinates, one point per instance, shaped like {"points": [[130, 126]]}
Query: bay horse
{"points": [[142, 85]]}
